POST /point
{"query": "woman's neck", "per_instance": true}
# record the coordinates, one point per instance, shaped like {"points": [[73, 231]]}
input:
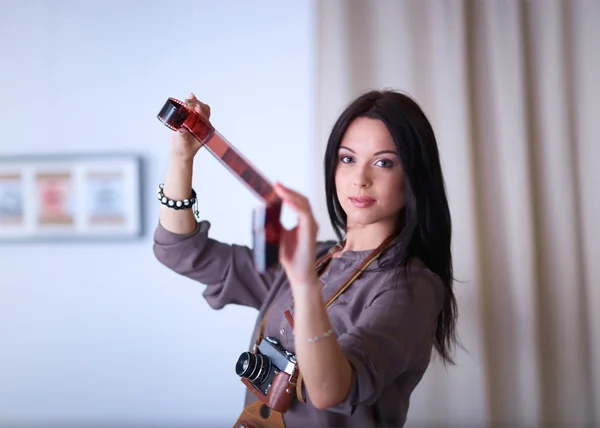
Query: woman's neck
{"points": [[366, 237]]}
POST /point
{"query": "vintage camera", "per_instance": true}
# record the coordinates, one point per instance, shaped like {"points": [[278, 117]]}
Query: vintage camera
{"points": [[270, 373]]}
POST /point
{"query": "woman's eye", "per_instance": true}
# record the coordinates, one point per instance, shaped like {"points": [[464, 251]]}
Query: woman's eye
{"points": [[346, 158], [384, 163]]}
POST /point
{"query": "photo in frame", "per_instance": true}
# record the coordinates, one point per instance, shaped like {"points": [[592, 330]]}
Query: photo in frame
{"points": [[59, 197], [11, 199]]}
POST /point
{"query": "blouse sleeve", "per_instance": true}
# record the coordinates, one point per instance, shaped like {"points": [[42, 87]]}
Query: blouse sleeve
{"points": [[228, 271], [388, 335]]}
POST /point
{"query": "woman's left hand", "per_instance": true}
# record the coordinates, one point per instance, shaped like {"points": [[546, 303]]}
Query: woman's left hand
{"points": [[298, 246]]}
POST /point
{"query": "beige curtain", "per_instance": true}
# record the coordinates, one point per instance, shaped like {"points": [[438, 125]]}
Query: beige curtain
{"points": [[512, 89]]}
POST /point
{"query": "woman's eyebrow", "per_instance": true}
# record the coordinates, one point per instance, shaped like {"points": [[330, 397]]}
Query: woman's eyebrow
{"points": [[391, 152]]}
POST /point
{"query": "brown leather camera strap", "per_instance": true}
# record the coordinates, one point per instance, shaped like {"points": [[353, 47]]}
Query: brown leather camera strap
{"points": [[320, 265]]}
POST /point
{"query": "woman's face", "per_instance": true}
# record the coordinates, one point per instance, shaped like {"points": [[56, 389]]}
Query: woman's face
{"points": [[368, 174]]}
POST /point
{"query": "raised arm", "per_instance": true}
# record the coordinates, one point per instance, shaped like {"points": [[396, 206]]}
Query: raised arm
{"points": [[178, 178], [183, 245], [227, 270]]}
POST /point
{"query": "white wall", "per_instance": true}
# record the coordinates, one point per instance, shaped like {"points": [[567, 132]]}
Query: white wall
{"points": [[102, 333]]}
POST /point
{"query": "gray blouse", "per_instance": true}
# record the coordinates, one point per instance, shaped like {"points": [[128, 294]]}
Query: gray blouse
{"points": [[385, 326]]}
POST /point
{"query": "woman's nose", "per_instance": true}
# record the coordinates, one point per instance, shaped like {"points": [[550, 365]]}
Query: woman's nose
{"points": [[362, 179]]}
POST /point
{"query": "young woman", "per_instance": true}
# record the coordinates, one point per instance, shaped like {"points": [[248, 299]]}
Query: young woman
{"points": [[362, 356]]}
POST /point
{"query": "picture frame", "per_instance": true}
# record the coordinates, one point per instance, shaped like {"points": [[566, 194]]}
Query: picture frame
{"points": [[70, 197]]}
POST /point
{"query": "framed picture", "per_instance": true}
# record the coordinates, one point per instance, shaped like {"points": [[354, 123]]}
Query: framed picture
{"points": [[72, 196]]}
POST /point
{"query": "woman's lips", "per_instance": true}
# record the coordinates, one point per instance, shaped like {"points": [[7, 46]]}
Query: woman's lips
{"points": [[362, 201]]}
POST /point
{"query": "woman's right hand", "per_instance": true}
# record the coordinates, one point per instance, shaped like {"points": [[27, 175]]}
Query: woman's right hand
{"points": [[183, 145]]}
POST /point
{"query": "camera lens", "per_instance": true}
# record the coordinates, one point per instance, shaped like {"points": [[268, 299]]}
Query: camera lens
{"points": [[254, 367]]}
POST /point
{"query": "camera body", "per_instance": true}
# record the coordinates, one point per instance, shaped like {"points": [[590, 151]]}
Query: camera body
{"points": [[270, 373]]}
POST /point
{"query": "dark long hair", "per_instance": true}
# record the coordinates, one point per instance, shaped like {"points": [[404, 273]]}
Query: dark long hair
{"points": [[425, 224]]}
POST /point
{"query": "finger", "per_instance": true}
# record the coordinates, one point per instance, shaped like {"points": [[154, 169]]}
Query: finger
{"points": [[192, 101], [203, 109], [206, 110], [186, 135], [302, 211], [198, 106], [298, 203], [292, 197]]}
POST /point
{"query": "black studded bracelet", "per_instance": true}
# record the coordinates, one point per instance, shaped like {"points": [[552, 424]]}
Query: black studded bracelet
{"points": [[183, 204]]}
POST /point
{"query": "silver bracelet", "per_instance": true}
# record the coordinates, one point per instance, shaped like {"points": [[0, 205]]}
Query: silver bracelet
{"points": [[317, 338]]}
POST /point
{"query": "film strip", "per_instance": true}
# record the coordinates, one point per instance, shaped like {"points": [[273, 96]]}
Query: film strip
{"points": [[266, 226]]}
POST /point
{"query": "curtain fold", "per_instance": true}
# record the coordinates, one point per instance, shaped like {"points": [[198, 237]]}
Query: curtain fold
{"points": [[512, 91]]}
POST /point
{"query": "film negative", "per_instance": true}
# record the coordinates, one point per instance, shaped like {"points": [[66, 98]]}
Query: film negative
{"points": [[266, 226]]}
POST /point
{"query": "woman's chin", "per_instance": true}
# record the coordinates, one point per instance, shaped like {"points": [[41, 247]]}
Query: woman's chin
{"points": [[360, 220]]}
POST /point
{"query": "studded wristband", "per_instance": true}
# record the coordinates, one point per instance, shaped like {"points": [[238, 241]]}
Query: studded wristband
{"points": [[183, 204]]}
